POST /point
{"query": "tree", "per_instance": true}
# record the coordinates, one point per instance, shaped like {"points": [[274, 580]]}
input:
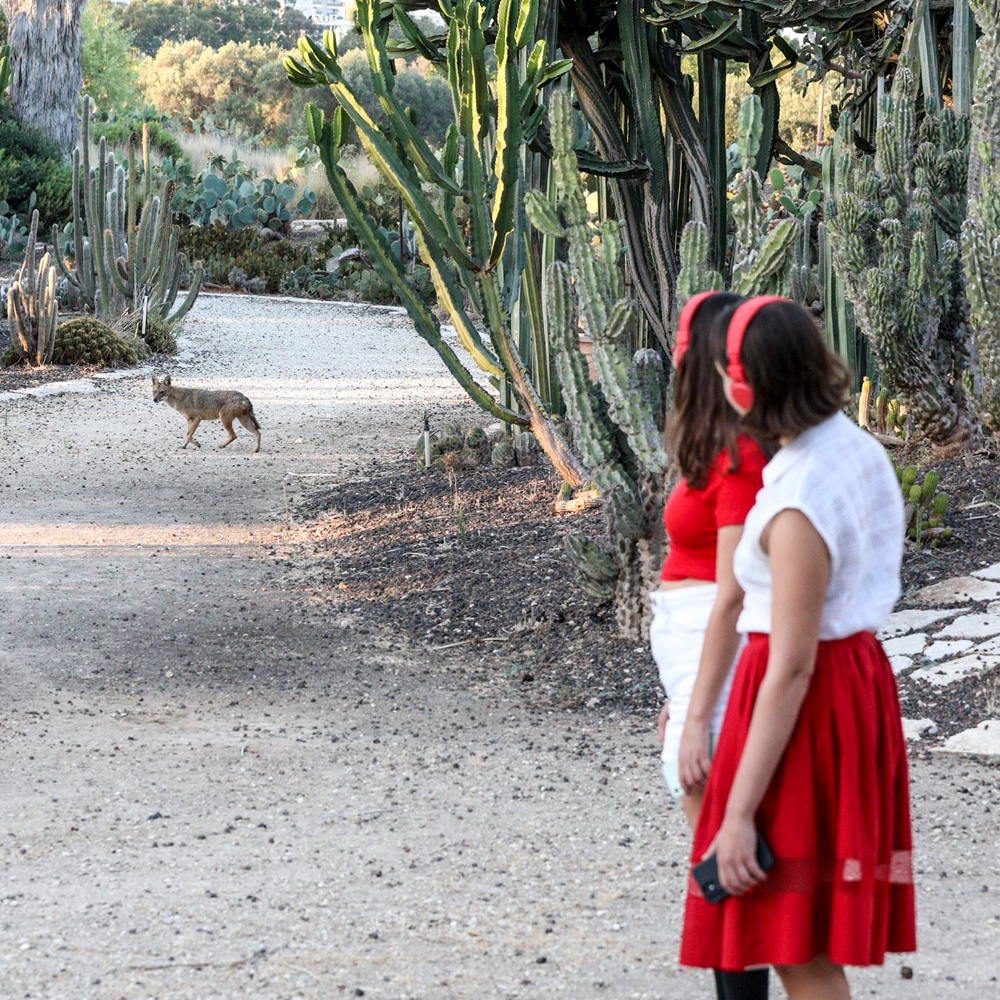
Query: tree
{"points": [[110, 75], [46, 52], [211, 22]]}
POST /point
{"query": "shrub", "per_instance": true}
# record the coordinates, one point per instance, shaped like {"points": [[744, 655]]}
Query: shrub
{"points": [[258, 259], [116, 130], [32, 164]]}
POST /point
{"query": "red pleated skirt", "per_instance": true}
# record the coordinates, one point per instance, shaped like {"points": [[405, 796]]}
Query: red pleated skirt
{"points": [[836, 815]]}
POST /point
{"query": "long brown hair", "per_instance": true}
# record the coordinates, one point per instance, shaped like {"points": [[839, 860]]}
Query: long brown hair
{"points": [[701, 422]]}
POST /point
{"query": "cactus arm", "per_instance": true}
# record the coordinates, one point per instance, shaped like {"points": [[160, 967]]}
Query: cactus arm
{"points": [[17, 316], [643, 92], [327, 135], [627, 407], [510, 133], [603, 117], [593, 439], [49, 315], [419, 42], [117, 274], [695, 275], [413, 144], [196, 279]]}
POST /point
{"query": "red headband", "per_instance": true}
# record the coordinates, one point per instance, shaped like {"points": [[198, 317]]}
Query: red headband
{"points": [[740, 390], [683, 340]]}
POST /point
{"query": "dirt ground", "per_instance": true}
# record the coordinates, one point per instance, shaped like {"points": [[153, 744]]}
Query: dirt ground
{"points": [[230, 770]]}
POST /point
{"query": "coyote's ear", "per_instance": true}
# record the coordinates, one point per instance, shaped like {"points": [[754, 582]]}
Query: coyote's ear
{"points": [[166, 380]]}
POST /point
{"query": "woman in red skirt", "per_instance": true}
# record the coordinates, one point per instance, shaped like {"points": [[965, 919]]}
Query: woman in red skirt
{"points": [[811, 754]]}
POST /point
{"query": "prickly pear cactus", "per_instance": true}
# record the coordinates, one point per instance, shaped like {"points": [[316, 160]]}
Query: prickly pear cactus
{"points": [[892, 233], [617, 424]]}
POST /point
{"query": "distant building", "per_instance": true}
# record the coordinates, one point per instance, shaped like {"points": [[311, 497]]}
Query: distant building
{"points": [[335, 14]]}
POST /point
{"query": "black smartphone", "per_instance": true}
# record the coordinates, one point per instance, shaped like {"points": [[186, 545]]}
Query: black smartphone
{"points": [[706, 873]]}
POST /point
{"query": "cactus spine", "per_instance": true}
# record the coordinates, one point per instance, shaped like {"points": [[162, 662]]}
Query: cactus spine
{"points": [[588, 292], [32, 305]]}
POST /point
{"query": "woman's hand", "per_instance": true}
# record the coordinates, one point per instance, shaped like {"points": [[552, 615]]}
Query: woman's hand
{"points": [[736, 847], [694, 757], [661, 724]]}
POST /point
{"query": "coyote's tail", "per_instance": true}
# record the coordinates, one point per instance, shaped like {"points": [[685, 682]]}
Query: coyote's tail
{"points": [[253, 416]]}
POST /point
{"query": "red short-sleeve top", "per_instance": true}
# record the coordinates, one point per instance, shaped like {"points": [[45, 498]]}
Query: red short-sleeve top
{"points": [[692, 518]]}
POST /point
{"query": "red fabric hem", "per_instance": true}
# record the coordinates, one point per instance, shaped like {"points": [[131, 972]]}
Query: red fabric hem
{"points": [[836, 816]]}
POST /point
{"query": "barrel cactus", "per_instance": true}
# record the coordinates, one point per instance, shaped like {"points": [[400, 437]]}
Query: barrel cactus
{"points": [[89, 341]]}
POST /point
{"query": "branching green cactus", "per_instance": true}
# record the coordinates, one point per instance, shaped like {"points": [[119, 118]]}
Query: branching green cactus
{"points": [[125, 251], [981, 231], [766, 253], [588, 294], [924, 506], [32, 305], [892, 236], [479, 168]]}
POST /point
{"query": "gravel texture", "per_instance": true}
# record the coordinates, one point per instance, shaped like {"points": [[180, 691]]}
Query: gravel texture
{"points": [[284, 725]]}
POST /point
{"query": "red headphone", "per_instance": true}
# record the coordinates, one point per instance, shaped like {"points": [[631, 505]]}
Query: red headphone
{"points": [[683, 340], [739, 390]]}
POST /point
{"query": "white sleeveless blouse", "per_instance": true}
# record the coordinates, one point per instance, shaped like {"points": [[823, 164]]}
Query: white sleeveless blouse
{"points": [[840, 477]]}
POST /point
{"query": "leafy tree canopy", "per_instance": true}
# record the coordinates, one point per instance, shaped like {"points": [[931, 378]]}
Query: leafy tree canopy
{"points": [[110, 77], [212, 22]]}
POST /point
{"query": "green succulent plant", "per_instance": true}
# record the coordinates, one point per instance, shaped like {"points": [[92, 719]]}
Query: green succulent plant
{"points": [[89, 341]]}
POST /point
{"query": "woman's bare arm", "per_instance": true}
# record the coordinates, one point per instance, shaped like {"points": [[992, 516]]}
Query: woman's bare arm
{"points": [[718, 652], [800, 568]]}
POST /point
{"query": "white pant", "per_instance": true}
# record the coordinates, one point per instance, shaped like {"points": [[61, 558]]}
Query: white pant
{"points": [[677, 635]]}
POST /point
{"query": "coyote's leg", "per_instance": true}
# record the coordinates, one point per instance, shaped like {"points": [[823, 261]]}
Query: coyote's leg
{"points": [[251, 425], [227, 421], [192, 427]]}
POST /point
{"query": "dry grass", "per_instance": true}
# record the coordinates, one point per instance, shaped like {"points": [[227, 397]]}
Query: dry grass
{"points": [[271, 162], [278, 164]]}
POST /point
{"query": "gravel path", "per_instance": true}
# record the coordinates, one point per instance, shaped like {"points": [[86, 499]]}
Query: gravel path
{"points": [[216, 787]]}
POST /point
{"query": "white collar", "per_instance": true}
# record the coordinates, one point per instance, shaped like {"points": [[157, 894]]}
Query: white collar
{"points": [[796, 450]]}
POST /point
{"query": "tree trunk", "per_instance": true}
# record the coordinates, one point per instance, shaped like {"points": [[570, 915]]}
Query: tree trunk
{"points": [[46, 44]]}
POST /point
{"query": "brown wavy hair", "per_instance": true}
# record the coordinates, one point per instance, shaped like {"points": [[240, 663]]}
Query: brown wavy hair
{"points": [[797, 381], [701, 423]]}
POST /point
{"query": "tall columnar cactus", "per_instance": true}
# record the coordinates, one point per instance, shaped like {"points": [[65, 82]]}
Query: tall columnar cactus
{"points": [[32, 305], [125, 249], [893, 236], [588, 294], [981, 231], [766, 253], [763, 257], [478, 174]]}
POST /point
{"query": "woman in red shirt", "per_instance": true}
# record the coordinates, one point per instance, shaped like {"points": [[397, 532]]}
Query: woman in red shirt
{"points": [[693, 633]]}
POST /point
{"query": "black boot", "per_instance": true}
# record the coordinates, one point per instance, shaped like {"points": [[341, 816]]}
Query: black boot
{"points": [[749, 985]]}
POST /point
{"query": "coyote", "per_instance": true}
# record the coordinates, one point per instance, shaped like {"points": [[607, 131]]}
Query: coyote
{"points": [[208, 404]]}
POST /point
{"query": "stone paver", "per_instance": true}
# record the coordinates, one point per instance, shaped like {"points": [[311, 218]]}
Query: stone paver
{"points": [[983, 740], [951, 633], [957, 590], [911, 619]]}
